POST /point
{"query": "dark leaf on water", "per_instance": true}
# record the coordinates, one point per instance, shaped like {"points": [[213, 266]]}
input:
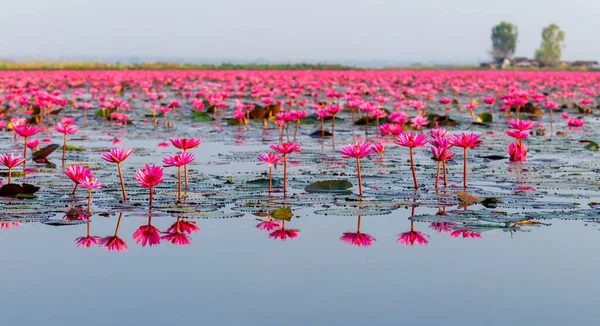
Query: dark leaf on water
{"points": [[283, 214], [43, 153], [330, 186]]}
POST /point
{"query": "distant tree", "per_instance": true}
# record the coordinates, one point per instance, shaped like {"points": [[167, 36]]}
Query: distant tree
{"points": [[550, 50], [504, 40]]}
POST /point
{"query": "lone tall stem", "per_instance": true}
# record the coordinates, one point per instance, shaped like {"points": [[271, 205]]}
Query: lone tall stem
{"points": [[25, 158], [360, 193], [150, 198], [74, 189], [64, 148], [358, 225], [122, 183], [284, 173], [437, 176], [322, 128], [270, 179], [445, 175], [118, 224], [89, 210], [9, 174], [412, 168], [333, 125], [465, 167], [185, 171], [178, 183]]}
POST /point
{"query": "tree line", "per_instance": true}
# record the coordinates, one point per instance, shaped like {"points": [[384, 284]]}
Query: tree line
{"points": [[504, 42]]}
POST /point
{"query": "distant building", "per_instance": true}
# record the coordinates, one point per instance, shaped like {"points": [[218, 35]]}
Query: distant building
{"points": [[585, 64], [522, 62]]}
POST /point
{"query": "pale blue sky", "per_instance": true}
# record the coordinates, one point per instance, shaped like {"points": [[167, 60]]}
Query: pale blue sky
{"points": [[279, 30]]}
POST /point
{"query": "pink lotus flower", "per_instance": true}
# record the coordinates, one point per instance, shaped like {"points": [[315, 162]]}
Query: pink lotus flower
{"points": [[465, 141], [445, 100], [522, 125], [147, 235], [271, 159], [186, 143], [66, 129], [398, 117], [358, 151], [178, 160], [465, 234], [184, 226], [284, 234], [517, 152], [378, 147], [11, 161], [285, 149], [149, 177], [411, 140], [88, 242], [575, 123], [117, 155], [391, 129], [517, 134], [32, 144], [489, 100], [77, 173], [419, 121], [413, 237], [357, 239], [268, 225], [114, 243], [177, 238], [25, 131]]}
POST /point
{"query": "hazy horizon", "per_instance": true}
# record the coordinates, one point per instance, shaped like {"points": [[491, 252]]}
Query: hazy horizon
{"points": [[273, 31]]}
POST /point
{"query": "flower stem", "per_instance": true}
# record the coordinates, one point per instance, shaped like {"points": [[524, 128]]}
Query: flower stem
{"points": [[150, 198], [122, 183], [178, 183], [465, 167], [284, 173], [270, 179], [9, 174], [360, 192], [89, 211], [25, 158], [412, 168], [437, 176], [75, 189]]}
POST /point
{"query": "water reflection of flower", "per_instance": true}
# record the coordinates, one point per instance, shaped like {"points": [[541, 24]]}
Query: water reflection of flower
{"points": [[284, 233], [411, 237], [465, 234], [8, 225], [357, 238], [442, 227], [89, 240], [176, 233], [268, 225], [147, 234], [114, 243]]}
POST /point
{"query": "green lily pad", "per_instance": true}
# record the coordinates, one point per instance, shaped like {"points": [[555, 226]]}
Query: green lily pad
{"points": [[201, 116], [330, 186], [283, 214], [485, 117]]}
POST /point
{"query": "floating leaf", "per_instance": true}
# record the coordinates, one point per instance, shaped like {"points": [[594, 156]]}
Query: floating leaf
{"points": [[329, 186], [284, 214], [485, 117], [490, 202], [467, 198], [592, 146], [201, 116]]}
